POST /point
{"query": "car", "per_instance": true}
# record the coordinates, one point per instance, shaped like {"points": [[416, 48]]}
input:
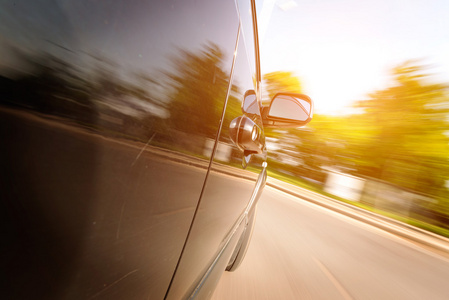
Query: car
{"points": [[133, 152]]}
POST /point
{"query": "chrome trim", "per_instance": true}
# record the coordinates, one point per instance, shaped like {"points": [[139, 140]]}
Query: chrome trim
{"points": [[231, 235], [257, 192], [237, 138]]}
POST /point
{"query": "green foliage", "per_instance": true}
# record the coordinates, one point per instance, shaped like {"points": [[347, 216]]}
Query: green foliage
{"points": [[408, 145], [401, 137], [281, 81], [199, 88]]}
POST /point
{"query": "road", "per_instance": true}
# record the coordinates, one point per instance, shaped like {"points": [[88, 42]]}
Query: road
{"points": [[303, 251]]}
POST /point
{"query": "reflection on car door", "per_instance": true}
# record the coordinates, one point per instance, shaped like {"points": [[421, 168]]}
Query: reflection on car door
{"points": [[228, 190], [107, 111]]}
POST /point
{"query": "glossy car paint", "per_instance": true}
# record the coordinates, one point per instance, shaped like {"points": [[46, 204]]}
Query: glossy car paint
{"points": [[220, 211], [114, 184]]}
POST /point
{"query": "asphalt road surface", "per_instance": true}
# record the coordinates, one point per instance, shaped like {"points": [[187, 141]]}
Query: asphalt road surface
{"points": [[302, 251]]}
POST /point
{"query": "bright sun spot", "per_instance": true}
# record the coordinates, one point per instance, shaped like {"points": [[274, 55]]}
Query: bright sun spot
{"points": [[344, 50], [337, 77]]}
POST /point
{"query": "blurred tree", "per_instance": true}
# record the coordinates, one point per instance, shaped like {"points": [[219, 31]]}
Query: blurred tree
{"points": [[409, 122], [48, 84], [327, 141], [281, 81], [400, 137], [408, 143], [199, 86]]}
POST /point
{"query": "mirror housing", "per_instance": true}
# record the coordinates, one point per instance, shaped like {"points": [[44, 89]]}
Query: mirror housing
{"points": [[250, 105], [288, 110]]}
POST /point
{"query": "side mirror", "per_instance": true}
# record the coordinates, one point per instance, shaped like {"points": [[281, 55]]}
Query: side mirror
{"points": [[288, 110]]}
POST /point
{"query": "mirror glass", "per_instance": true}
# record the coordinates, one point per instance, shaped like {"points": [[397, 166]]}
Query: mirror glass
{"points": [[290, 107]]}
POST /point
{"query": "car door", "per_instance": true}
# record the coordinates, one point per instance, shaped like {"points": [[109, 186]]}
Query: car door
{"points": [[108, 110], [234, 182]]}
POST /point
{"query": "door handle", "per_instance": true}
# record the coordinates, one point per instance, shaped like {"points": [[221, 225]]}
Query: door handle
{"points": [[247, 136]]}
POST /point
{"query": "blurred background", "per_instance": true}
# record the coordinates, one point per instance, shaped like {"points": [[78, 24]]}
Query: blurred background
{"points": [[378, 72]]}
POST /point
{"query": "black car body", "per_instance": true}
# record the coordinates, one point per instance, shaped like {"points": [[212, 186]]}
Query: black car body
{"points": [[121, 169]]}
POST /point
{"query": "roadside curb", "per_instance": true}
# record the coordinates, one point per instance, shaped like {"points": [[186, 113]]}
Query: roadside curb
{"points": [[387, 224]]}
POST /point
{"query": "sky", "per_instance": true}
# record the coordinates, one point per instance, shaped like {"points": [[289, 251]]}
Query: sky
{"points": [[342, 50]]}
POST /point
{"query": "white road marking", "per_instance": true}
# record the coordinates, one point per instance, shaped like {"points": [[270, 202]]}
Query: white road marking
{"points": [[334, 280]]}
